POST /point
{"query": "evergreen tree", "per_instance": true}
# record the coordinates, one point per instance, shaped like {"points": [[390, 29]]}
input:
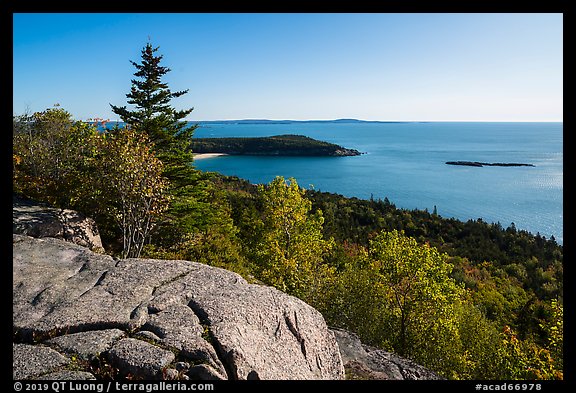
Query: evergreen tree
{"points": [[171, 136], [154, 115]]}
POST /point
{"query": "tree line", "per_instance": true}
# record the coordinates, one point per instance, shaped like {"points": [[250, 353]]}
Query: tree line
{"points": [[469, 300]]}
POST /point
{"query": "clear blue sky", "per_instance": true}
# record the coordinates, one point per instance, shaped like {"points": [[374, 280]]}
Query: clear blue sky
{"points": [[422, 67]]}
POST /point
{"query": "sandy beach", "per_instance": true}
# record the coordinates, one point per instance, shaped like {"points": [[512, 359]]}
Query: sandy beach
{"points": [[199, 156]]}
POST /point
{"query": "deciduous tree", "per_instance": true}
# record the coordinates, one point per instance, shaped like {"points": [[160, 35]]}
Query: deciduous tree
{"points": [[52, 157], [291, 247], [136, 190], [420, 298]]}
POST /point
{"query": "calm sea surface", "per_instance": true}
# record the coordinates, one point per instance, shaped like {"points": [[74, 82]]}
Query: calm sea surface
{"points": [[405, 162]]}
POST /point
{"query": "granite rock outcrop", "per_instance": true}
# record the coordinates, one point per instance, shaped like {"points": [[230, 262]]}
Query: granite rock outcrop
{"points": [[79, 314], [157, 319]]}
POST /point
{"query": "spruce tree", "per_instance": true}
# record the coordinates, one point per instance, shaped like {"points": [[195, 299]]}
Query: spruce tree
{"points": [[154, 115], [171, 136]]}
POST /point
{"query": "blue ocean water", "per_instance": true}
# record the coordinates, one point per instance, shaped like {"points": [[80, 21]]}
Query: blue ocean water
{"points": [[405, 162]]}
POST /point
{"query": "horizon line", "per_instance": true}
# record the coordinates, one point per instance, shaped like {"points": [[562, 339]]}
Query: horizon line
{"points": [[359, 120]]}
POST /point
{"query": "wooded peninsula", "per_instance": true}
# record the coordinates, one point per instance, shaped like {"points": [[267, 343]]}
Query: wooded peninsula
{"points": [[280, 145]]}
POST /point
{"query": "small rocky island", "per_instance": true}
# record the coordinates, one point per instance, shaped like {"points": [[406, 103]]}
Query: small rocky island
{"points": [[476, 163], [280, 145]]}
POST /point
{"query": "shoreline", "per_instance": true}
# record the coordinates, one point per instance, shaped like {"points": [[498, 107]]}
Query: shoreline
{"points": [[200, 156]]}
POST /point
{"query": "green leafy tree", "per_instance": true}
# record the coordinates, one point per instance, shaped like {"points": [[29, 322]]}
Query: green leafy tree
{"points": [[216, 245], [131, 176], [52, 157], [479, 344], [291, 247], [354, 299], [420, 299]]}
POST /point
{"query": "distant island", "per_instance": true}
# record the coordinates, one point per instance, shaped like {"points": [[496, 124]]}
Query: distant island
{"points": [[268, 121], [109, 124], [280, 145], [476, 163]]}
